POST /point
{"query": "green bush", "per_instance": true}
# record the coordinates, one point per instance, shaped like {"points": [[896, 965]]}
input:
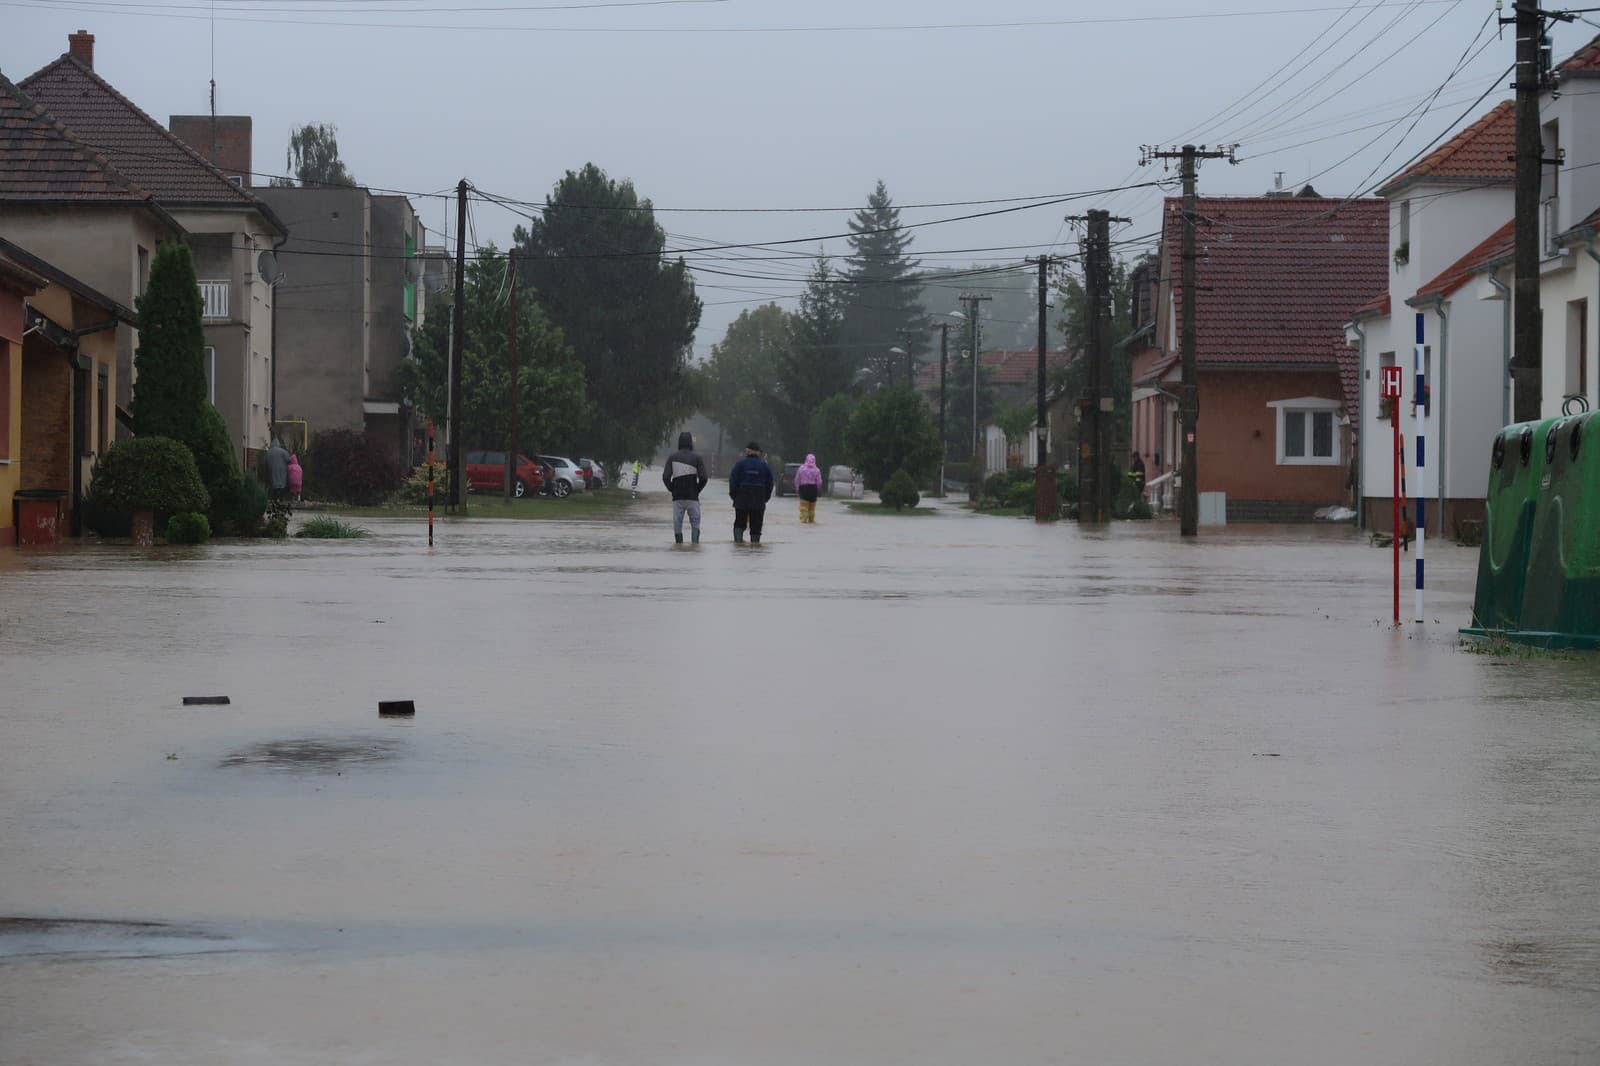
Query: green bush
{"points": [[348, 466], [891, 431], [1022, 493], [275, 524], [325, 528], [900, 492], [149, 474], [188, 527], [248, 508], [414, 489], [998, 486], [1067, 484]]}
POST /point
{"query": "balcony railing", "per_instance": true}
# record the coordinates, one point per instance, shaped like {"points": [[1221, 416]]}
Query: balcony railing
{"points": [[214, 297]]}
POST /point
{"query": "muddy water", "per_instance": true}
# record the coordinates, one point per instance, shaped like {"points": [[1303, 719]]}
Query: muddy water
{"points": [[923, 790]]}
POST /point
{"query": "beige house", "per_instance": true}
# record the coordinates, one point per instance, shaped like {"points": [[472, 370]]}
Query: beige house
{"points": [[230, 232]]}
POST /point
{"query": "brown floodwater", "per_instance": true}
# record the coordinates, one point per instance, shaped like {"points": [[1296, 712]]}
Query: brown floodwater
{"points": [[931, 790]]}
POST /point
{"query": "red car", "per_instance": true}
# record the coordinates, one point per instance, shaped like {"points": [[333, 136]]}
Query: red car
{"points": [[486, 472]]}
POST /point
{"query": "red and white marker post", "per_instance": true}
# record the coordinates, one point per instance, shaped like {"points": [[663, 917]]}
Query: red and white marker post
{"points": [[1390, 386]]}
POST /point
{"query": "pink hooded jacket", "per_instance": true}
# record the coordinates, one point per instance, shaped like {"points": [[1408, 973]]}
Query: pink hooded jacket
{"points": [[296, 474], [810, 473]]}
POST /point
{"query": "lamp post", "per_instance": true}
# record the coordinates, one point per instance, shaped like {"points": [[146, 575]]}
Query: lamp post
{"points": [[897, 350]]}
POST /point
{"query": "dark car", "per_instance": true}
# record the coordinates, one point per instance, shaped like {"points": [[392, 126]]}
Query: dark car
{"points": [[486, 472], [786, 479], [594, 472]]}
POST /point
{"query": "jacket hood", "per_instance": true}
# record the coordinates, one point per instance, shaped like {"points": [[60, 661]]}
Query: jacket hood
{"points": [[811, 462], [685, 441]]}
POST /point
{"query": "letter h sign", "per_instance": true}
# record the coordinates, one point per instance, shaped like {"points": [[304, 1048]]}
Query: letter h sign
{"points": [[1391, 383]]}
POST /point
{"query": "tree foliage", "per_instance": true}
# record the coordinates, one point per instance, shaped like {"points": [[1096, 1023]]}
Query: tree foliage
{"points": [[596, 259], [1016, 421], [549, 380], [739, 378], [881, 305], [892, 430], [169, 391], [816, 365], [829, 423], [1068, 382], [148, 474], [900, 492], [313, 156]]}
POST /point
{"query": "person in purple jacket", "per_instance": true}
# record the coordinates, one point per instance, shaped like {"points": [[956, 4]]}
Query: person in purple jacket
{"points": [[808, 484]]}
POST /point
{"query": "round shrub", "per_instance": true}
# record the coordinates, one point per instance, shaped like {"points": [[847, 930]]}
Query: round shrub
{"points": [[188, 527], [149, 474], [900, 492]]}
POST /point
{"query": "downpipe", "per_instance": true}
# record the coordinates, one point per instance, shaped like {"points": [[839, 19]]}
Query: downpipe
{"points": [[1505, 343]]}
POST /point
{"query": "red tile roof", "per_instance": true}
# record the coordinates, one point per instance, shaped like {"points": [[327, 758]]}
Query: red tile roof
{"points": [[1378, 305], [1001, 367], [1498, 245], [1585, 60], [135, 143], [1348, 361], [1480, 153], [1279, 276], [1158, 370], [42, 162]]}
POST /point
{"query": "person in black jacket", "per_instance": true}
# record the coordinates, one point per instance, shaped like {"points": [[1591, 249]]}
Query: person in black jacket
{"points": [[685, 475], [750, 485]]}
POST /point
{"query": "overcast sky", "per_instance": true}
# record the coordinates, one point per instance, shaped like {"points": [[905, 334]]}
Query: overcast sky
{"points": [[772, 104]]}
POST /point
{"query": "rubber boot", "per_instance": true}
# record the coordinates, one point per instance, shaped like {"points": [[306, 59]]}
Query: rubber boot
{"points": [[678, 537], [696, 535], [738, 535]]}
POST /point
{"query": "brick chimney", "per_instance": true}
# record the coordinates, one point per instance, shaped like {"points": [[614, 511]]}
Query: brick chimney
{"points": [[80, 46], [224, 140]]}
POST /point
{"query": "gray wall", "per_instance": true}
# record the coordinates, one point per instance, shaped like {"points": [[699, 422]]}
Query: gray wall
{"points": [[392, 221], [324, 310]]}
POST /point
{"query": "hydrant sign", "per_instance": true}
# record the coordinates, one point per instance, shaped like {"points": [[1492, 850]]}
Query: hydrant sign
{"points": [[1391, 383]]}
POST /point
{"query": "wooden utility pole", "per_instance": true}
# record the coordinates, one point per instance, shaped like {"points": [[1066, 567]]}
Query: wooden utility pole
{"points": [[514, 445], [944, 356], [974, 469], [1527, 326], [1189, 401], [456, 498]]}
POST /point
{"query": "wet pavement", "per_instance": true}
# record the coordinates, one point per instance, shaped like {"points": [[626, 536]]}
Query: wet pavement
{"points": [[928, 790]]}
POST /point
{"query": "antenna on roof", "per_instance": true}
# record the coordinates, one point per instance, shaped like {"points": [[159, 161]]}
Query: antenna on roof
{"points": [[212, 155]]}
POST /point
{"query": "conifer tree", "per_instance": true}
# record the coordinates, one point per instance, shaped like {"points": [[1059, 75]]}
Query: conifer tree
{"points": [[881, 296]]}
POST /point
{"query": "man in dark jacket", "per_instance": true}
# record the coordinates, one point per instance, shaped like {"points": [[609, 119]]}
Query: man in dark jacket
{"points": [[685, 475], [750, 485]]}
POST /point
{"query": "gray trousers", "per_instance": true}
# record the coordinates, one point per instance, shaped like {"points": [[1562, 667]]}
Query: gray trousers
{"points": [[681, 508]]}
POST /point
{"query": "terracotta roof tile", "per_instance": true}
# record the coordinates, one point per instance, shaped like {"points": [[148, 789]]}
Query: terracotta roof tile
{"points": [[135, 143], [1480, 153], [1378, 305], [1158, 369], [41, 161], [1585, 60], [1349, 362], [1279, 276], [1497, 245], [1001, 367]]}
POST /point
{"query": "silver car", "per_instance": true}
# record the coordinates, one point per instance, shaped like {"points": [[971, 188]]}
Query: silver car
{"points": [[567, 473]]}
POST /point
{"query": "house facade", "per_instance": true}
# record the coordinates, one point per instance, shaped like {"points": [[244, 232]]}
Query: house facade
{"points": [[347, 310], [230, 233], [1277, 277]]}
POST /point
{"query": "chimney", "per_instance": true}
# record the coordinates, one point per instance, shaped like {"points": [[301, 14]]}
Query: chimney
{"points": [[225, 141], [80, 46]]}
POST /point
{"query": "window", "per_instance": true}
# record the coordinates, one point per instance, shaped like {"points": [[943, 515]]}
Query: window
{"points": [[1402, 249], [144, 269], [1307, 431], [1577, 348]]}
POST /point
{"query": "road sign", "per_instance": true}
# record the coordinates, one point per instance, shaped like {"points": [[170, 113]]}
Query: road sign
{"points": [[1391, 383]]}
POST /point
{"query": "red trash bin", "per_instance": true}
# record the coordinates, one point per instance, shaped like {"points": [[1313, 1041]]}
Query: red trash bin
{"points": [[37, 513]]}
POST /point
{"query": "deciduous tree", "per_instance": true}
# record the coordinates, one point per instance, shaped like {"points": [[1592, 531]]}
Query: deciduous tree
{"points": [[892, 430], [313, 156]]}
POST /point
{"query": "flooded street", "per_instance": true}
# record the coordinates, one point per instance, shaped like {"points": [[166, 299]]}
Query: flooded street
{"points": [[923, 790]]}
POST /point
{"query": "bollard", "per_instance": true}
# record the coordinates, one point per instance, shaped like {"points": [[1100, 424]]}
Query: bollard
{"points": [[396, 709]]}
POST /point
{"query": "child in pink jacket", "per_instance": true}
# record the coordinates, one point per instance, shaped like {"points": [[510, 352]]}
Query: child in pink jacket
{"points": [[808, 484], [297, 477]]}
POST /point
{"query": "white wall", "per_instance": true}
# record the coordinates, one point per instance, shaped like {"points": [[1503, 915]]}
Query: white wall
{"points": [[1580, 280]]}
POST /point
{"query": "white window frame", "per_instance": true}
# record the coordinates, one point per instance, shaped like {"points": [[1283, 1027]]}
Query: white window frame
{"points": [[1309, 406]]}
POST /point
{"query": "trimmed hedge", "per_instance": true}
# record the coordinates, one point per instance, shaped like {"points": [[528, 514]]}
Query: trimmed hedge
{"points": [[149, 474], [348, 466], [900, 492], [188, 527]]}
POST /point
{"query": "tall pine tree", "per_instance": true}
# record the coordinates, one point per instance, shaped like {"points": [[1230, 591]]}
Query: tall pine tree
{"points": [[882, 300], [816, 365]]}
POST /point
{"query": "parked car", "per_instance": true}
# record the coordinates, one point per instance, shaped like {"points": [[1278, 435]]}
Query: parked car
{"points": [[486, 472], [568, 478], [786, 480], [594, 472]]}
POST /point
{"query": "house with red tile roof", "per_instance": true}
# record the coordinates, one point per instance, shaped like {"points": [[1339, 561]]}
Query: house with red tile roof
{"points": [[230, 232], [1010, 377], [72, 218], [1451, 245], [1276, 279]]}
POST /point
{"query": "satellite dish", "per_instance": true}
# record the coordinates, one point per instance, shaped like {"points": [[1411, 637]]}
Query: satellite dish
{"points": [[267, 268]]}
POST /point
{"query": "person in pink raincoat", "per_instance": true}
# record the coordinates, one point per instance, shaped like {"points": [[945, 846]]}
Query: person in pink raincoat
{"points": [[808, 484], [297, 477]]}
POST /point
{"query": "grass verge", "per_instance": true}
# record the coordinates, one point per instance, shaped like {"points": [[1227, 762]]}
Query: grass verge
{"points": [[880, 509], [547, 508]]}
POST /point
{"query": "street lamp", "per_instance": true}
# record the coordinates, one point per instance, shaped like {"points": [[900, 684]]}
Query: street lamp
{"points": [[897, 350]]}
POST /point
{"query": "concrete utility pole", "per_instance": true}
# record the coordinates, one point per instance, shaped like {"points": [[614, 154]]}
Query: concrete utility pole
{"points": [[944, 355], [458, 330], [1189, 405], [1046, 497], [974, 471], [1527, 327]]}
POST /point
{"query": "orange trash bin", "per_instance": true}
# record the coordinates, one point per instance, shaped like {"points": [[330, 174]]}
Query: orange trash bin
{"points": [[37, 513]]}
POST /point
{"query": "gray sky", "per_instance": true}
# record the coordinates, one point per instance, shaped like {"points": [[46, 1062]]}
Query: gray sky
{"points": [[701, 114]]}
